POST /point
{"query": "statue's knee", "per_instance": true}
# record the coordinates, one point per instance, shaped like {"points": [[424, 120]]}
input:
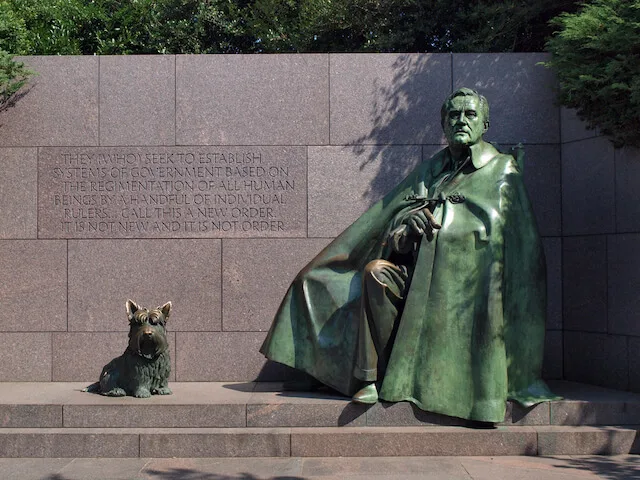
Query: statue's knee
{"points": [[376, 269]]}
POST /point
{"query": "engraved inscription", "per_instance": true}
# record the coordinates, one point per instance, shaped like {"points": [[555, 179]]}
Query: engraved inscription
{"points": [[172, 192]]}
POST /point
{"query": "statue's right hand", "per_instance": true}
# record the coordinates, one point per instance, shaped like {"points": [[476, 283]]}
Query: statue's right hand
{"points": [[422, 222]]}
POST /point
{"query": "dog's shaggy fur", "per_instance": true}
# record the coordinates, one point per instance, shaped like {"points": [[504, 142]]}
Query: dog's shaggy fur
{"points": [[143, 369]]}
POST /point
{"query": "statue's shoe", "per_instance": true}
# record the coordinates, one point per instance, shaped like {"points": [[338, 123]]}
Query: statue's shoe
{"points": [[368, 394]]}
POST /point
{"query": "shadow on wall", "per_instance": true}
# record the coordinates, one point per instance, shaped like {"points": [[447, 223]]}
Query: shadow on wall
{"points": [[404, 112]]}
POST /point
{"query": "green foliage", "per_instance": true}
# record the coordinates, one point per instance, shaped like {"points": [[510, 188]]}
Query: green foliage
{"points": [[596, 54], [247, 26], [13, 75], [404, 25]]}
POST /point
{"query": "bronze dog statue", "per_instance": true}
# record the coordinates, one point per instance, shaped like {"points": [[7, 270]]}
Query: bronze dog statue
{"points": [[143, 369]]}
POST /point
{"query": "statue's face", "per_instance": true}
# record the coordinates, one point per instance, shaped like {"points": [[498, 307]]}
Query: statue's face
{"points": [[464, 124]]}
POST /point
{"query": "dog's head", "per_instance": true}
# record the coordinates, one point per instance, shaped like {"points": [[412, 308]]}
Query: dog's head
{"points": [[147, 334]]}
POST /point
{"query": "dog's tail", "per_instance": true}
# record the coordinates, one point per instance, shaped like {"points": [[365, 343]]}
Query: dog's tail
{"points": [[93, 388]]}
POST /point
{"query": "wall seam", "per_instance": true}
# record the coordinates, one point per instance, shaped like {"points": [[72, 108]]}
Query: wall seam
{"points": [[329, 100], [222, 285], [175, 100], [99, 98]]}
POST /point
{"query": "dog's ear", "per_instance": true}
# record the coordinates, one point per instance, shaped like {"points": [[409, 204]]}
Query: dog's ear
{"points": [[132, 308], [165, 309]]}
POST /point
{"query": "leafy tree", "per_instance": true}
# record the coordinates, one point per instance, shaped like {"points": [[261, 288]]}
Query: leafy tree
{"points": [[596, 54], [13, 75], [62, 27], [404, 25]]}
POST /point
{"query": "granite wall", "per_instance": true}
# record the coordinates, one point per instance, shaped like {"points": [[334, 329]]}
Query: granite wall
{"points": [[211, 180]]}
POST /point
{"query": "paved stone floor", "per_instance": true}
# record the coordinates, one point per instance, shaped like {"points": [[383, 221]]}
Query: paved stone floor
{"points": [[391, 468]]}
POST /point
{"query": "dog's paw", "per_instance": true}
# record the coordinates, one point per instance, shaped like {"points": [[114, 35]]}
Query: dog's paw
{"points": [[142, 392], [114, 392], [162, 391]]}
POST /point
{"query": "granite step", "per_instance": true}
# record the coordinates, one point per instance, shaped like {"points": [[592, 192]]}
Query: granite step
{"points": [[258, 419], [315, 442], [264, 405]]}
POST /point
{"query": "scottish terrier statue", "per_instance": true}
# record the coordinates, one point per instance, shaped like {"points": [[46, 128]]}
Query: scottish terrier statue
{"points": [[143, 369]]}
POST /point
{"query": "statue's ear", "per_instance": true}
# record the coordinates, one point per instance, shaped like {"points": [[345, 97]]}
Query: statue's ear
{"points": [[165, 309], [132, 308]]}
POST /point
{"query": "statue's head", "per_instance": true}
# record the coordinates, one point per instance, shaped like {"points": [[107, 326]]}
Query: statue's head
{"points": [[465, 117]]}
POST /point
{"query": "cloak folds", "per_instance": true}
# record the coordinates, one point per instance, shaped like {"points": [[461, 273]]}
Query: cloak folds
{"points": [[471, 332]]}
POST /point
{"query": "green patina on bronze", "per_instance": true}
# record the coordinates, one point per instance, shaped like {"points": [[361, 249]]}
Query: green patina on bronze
{"points": [[468, 332]]}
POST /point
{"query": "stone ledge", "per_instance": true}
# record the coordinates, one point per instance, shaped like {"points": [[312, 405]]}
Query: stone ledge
{"points": [[264, 405], [315, 442]]}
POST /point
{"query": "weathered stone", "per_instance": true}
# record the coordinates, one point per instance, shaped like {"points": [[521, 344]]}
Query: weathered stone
{"points": [[354, 178], [255, 276], [137, 100], [623, 265], [588, 187], [382, 98], [34, 285], [25, 357], [172, 192], [255, 442], [18, 188], [252, 100], [103, 274], [59, 105], [584, 283]]}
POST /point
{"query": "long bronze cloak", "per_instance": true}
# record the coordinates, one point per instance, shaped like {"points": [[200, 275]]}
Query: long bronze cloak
{"points": [[471, 332]]}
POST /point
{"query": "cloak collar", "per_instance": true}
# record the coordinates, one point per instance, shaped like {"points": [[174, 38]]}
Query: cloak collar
{"points": [[481, 154]]}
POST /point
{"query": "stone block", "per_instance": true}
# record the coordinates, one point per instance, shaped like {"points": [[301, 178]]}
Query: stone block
{"points": [[552, 364], [406, 414], [30, 416], [585, 440], [59, 105], [577, 413], [121, 468], [627, 196], [520, 92], [298, 414], [255, 442], [588, 187], [411, 441], [388, 98], [172, 192], [252, 100], [80, 356], [149, 415], [137, 100], [597, 359], [255, 276], [389, 468], [584, 277], [553, 255], [34, 468], [34, 286], [634, 364], [519, 415], [573, 128], [542, 174], [624, 283], [25, 357], [17, 191], [345, 181], [219, 356], [103, 274], [55, 443]]}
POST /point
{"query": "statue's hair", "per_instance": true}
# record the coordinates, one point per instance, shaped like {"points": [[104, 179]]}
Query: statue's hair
{"points": [[466, 92]]}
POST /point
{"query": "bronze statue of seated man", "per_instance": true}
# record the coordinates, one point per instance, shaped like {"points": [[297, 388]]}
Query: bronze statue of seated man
{"points": [[435, 295]]}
